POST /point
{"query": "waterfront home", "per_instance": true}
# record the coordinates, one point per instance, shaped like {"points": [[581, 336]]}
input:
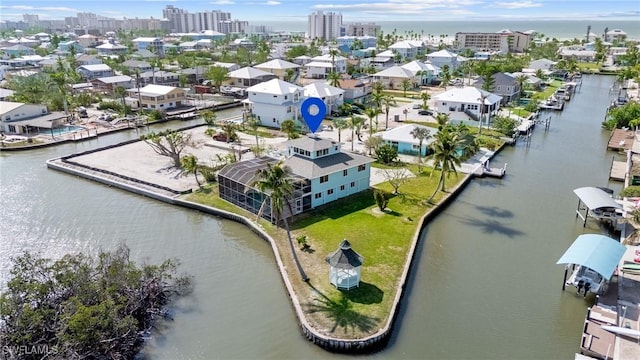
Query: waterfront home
{"points": [[158, 97], [95, 71], [323, 173], [160, 77], [86, 59], [391, 78], [153, 44], [133, 65], [445, 57], [108, 49], [277, 67], [401, 139], [424, 73], [344, 267], [467, 100], [65, 47], [615, 35], [356, 90], [21, 118], [542, 64], [248, 76], [109, 84], [578, 53], [275, 101], [504, 85], [532, 81], [332, 97], [18, 50]]}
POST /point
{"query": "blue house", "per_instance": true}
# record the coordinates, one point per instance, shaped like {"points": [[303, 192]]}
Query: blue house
{"points": [[404, 142], [155, 45], [66, 46], [322, 173]]}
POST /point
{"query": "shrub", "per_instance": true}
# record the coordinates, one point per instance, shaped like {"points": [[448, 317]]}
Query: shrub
{"points": [[386, 154], [488, 142], [381, 198], [110, 105], [631, 191], [208, 173]]}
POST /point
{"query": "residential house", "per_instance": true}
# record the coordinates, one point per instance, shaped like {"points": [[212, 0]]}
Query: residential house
{"points": [[383, 60], [87, 40], [392, 78], [615, 35], [322, 173], [133, 65], [467, 100], [424, 73], [446, 58], [408, 49], [65, 47], [89, 72], [110, 83], [332, 97], [194, 75], [20, 118], [248, 76], [404, 142], [159, 97], [278, 67], [274, 101], [226, 65], [504, 85], [364, 53], [85, 59], [578, 53], [18, 50], [143, 54], [302, 60], [542, 64], [160, 77], [153, 44], [107, 49], [337, 63], [357, 42], [532, 82], [356, 90]]}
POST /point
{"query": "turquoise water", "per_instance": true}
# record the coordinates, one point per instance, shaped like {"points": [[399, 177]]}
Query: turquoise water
{"points": [[63, 130]]}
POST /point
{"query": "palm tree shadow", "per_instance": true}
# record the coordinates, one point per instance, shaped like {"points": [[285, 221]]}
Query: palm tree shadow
{"points": [[365, 293], [341, 313]]}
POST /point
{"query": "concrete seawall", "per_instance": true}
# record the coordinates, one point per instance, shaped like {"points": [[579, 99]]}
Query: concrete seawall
{"points": [[364, 345]]}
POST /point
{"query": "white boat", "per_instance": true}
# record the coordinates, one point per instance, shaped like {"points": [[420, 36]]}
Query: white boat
{"points": [[597, 284], [622, 330]]}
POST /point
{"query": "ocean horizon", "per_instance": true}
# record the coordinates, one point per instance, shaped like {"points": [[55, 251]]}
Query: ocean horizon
{"points": [[559, 29]]}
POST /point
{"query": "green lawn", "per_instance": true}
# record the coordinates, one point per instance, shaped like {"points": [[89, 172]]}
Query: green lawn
{"points": [[383, 239], [548, 91]]}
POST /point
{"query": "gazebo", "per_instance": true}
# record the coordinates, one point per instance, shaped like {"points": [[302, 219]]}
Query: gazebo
{"points": [[345, 263]]}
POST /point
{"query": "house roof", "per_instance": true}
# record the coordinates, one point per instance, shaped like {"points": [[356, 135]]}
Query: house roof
{"points": [[146, 39], [96, 67], [275, 86], [403, 134], [136, 64], [468, 95], [395, 72], [248, 73], [277, 64], [500, 79], [5, 92], [595, 198], [322, 90], [110, 46], [18, 47], [244, 172], [327, 57], [115, 79], [225, 65], [158, 74], [321, 64], [312, 169], [344, 257], [6, 106], [597, 252], [310, 143], [386, 53], [442, 53], [404, 44], [144, 53], [154, 89]]}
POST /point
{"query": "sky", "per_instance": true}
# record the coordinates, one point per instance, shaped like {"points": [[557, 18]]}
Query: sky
{"points": [[352, 10]]}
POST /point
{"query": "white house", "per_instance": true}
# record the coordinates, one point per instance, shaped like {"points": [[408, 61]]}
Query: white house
{"points": [[111, 49], [425, 73], [444, 57], [14, 116], [337, 61], [274, 101], [95, 71], [543, 64], [392, 78], [467, 100], [277, 67], [332, 96], [408, 49], [248, 76]]}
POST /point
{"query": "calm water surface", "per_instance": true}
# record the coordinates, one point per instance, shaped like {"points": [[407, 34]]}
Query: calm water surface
{"points": [[485, 285]]}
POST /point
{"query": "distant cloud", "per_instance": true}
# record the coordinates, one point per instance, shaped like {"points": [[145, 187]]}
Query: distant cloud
{"points": [[517, 4], [267, 3], [222, 2], [39, 8], [408, 7]]}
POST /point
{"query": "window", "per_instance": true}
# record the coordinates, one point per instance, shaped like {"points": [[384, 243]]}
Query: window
{"points": [[345, 172], [353, 184], [318, 195], [286, 97], [330, 192], [362, 167], [342, 187], [324, 179]]}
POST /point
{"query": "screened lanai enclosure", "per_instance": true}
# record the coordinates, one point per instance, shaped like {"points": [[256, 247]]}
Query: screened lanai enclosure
{"points": [[234, 185]]}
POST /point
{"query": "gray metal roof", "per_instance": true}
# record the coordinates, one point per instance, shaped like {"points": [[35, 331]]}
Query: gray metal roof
{"points": [[314, 168], [595, 198], [345, 257], [244, 172], [310, 143]]}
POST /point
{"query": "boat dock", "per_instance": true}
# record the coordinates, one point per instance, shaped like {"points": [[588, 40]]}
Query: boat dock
{"points": [[486, 170], [618, 170], [621, 139]]}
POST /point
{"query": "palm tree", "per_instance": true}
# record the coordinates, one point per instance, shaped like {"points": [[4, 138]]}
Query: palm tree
{"points": [[340, 124], [387, 102], [425, 97], [445, 155], [355, 123], [442, 120], [253, 124], [229, 130], [59, 80], [371, 113], [405, 84], [190, 165], [217, 75], [378, 87], [209, 117], [522, 82], [488, 82], [422, 134], [277, 183], [483, 109], [120, 92], [289, 127], [334, 79]]}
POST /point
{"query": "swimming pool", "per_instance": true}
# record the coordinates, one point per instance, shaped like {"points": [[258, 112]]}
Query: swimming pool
{"points": [[67, 129]]}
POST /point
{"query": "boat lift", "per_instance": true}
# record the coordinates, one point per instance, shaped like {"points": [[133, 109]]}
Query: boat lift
{"points": [[597, 203]]}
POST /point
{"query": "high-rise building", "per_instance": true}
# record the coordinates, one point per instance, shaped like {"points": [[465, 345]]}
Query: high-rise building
{"points": [[31, 19], [324, 26], [182, 21], [359, 29]]}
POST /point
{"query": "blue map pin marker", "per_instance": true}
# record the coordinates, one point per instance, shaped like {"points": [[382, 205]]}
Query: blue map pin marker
{"points": [[313, 111]]}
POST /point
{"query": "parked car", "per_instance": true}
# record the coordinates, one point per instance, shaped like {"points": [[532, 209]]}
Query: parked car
{"points": [[416, 106], [425, 112]]}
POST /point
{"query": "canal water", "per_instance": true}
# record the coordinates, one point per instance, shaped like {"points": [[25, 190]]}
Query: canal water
{"points": [[484, 286]]}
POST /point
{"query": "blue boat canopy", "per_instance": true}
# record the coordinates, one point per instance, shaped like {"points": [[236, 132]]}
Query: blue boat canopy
{"points": [[597, 252], [596, 198]]}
